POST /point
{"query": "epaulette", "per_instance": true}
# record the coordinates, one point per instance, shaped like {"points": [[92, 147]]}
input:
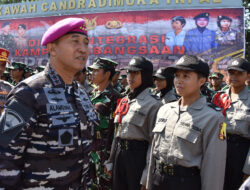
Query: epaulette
{"points": [[216, 108], [155, 97]]}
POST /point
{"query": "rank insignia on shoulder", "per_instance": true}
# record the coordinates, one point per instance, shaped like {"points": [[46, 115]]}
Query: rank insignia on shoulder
{"points": [[215, 107], [155, 97], [223, 129], [11, 120]]}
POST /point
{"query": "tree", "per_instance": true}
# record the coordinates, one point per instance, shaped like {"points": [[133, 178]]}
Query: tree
{"points": [[246, 4]]}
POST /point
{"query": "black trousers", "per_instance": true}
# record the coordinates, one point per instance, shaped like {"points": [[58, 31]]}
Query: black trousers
{"points": [[163, 182], [237, 149], [128, 167]]}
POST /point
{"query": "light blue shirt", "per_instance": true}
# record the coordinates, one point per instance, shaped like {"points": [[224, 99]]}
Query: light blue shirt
{"points": [[173, 40]]}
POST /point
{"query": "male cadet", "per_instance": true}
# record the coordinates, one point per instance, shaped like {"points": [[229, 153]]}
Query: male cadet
{"points": [[200, 39], [81, 78], [45, 127], [28, 71], [189, 146], [216, 82], [17, 72], [116, 83], [104, 98], [235, 102], [5, 87]]}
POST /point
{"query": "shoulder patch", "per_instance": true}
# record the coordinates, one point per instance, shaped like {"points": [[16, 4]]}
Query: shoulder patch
{"points": [[11, 120]]}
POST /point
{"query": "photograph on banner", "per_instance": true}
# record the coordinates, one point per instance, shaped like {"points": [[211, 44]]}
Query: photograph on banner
{"points": [[216, 35]]}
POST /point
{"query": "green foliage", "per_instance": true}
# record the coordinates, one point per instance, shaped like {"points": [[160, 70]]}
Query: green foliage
{"points": [[246, 4]]}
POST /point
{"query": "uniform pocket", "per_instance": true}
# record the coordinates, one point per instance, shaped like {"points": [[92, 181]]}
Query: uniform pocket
{"points": [[137, 118], [189, 135], [159, 127]]}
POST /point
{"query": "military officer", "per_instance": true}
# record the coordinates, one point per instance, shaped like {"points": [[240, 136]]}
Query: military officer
{"points": [[104, 98], [225, 35], [135, 116], [189, 146], [201, 39], [5, 87], [216, 82], [235, 102], [164, 85], [28, 71], [45, 137], [17, 72]]}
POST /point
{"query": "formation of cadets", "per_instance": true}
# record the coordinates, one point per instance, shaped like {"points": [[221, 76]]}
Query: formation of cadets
{"points": [[68, 126]]}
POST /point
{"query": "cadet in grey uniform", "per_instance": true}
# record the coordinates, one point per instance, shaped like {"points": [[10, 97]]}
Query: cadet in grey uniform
{"points": [[235, 102], [45, 127], [189, 146], [135, 117], [164, 84], [5, 87]]}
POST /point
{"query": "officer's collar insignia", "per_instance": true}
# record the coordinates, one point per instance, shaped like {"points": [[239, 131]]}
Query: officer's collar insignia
{"points": [[11, 120], [55, 78]]}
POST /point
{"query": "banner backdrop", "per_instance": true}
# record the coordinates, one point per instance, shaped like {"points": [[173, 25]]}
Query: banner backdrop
{"points": [[120, 36]]}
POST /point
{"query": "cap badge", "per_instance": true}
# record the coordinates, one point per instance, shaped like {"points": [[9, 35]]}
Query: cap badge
{"points": [[132, 62], [181, 60], [235, 63], [4, 54]]}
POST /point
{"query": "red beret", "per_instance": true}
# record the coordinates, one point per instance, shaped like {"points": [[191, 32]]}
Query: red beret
{"points": [[63, 27]]}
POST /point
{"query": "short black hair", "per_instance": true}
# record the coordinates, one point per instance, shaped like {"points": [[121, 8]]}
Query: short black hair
{"points": [[22, 25], [5, 24]]}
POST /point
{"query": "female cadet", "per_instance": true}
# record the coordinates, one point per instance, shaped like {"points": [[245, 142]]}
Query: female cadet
{"points": [[135, 116], [164, 85], [235, 103], [188, 150]]}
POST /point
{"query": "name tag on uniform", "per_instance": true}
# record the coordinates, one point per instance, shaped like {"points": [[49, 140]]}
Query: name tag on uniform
{"points": [[55, 108]]}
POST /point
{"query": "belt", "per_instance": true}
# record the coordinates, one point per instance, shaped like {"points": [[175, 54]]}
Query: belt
{"points": [[125, 144], [236, 139], [176, 170]]}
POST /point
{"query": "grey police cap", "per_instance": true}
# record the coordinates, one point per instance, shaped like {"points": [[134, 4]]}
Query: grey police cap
{"points": [[190, 63], [139, 64], [239, 64]]}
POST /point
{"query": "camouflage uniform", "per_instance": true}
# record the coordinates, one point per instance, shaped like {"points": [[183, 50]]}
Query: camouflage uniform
{"points": [[118, 87], [46, 135], [105, 103], [5, 88], [7, 42], [231, 37], [17, 66]]}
